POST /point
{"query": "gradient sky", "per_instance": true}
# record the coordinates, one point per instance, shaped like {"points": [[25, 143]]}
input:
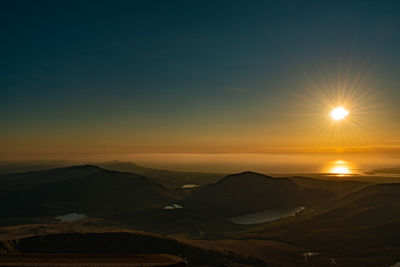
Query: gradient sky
{"points": [[98, 77]]}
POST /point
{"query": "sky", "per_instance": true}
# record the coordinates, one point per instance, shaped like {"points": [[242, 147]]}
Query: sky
{"points": [[205, 77]]}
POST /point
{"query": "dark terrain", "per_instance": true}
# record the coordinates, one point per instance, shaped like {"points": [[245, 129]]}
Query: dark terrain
{"points": [[344, 223]]}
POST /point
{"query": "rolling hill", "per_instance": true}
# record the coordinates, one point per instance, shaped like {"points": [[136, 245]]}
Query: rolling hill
{"points": [[375, 204], [85, 189], [339, 187], [252, 192], [169, 179]]}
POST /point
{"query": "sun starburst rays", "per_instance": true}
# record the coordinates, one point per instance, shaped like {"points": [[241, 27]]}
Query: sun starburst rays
{"points": [[349, 100]]}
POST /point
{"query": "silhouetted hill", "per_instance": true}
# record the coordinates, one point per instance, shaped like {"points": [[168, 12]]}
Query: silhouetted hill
{"points": [[251, 192], [19, 181], [169, 179], [86, 189], [375, 204], [339, 187], [31, 165]]}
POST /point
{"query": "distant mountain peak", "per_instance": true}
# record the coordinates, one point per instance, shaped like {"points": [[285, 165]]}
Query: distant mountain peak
{"points": [[119, 162], [80, 167], [250, 173]]}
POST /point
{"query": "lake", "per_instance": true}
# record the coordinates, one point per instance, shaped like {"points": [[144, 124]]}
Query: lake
{"points": [[71, 217], [266, 216]]}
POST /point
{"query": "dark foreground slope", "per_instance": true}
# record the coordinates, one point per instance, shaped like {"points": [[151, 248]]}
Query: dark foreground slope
{"points": [[360, 229], [373, 205], [121, 243], [92, 260], [84, 189]]}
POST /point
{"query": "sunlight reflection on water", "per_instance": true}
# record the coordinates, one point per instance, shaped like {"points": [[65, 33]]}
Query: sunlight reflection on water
{"points": [[340, 168], [266, 216]]}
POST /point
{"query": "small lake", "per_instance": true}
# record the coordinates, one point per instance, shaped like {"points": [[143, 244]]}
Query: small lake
{"points": [[71, 217], [266, 216], [173, 207], [189, 186]]}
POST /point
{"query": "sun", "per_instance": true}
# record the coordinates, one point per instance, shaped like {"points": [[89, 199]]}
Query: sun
{"points": [[339, 113]]}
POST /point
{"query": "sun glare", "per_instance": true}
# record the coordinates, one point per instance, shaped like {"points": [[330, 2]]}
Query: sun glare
{"points": [[339, 113], [340, 168]]}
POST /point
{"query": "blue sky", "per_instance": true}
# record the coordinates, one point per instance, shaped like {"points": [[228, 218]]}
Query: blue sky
{"points": [[145, 75]]}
